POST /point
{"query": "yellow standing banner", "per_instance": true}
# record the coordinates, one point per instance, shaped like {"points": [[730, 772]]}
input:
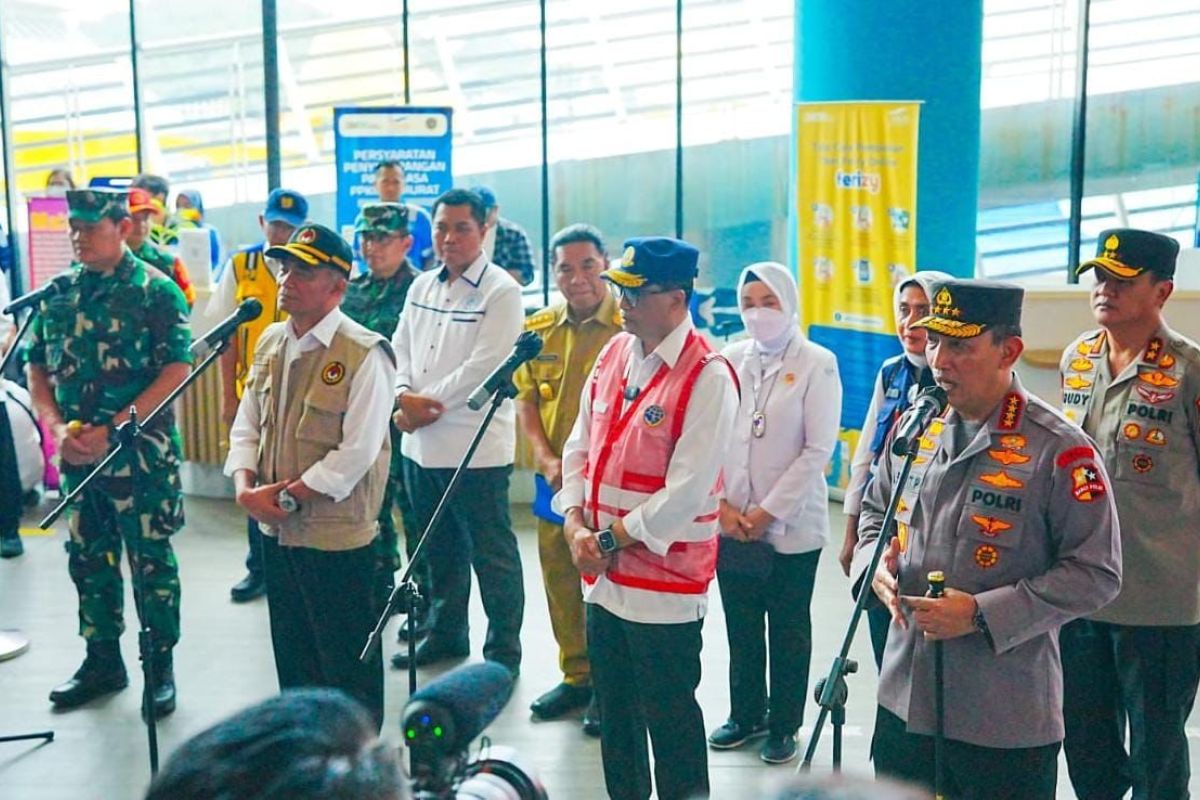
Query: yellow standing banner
{"points": [[856, 212]]}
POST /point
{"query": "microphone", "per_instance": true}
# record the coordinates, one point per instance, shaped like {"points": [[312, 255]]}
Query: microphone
{"points": [[445, 716], [56, 286], [928, 405], [528, 345], [249, 309]]}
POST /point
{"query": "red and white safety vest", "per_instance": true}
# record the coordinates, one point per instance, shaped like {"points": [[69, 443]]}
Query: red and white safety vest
{"points": [[628, 455]]}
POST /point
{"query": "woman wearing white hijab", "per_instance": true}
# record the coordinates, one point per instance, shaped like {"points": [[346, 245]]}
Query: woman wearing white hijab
{"points": [[895, 385], [774, 515]]}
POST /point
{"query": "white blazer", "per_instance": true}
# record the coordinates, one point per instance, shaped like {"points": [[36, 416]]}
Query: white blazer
{"points": [[784, 471]]}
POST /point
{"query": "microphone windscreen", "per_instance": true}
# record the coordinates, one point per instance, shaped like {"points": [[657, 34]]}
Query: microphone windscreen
{"points": [[251, 308], [529, 344], [474, 695]]}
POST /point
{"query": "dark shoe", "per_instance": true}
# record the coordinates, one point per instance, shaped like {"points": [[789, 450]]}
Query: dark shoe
{"points": [[164, 684], [422, 629], [102, 673], [778, 749], [591, 719], [430, 652], [560, 700], [248, 588], [10, 545], [731, 735]]}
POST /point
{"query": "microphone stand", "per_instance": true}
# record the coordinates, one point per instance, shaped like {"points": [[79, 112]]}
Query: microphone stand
{"points": [[405, 594], [831, 692], [128, 434], [8, 357]]}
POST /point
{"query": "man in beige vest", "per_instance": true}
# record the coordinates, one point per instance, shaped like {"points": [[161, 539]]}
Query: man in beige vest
{"points": [[313, 482]]}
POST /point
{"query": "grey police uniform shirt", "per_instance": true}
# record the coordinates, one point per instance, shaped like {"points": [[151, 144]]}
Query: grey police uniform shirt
{"points": [[1146, 424], [1021, 518]]}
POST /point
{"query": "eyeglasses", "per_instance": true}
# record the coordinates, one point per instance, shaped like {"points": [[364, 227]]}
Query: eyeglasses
{"points": [[633, 296]]}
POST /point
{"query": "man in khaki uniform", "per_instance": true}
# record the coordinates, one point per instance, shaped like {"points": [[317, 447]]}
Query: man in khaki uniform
{"points": [[1012, 503], [1134, 386], [573, 333], [312, 480]]}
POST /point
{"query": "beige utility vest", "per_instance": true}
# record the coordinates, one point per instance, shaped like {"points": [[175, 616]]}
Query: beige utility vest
{"points": [[309, 427]]}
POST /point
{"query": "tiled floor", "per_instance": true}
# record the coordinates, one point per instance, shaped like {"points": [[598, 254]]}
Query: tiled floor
{"points": [[224, 663]]}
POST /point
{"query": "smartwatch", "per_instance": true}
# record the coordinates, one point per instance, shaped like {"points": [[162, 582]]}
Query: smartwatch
{"points": [[288, 503], [607, 541]]}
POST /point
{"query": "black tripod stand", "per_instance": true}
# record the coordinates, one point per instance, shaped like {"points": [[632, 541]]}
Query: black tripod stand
{"points": [[832, 692], [405, 594], [128, 438]]}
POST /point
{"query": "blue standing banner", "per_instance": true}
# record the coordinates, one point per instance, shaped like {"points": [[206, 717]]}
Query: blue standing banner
{"points": [[418, 137]]}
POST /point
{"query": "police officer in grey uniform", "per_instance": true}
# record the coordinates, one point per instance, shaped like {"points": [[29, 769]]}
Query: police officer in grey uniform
{"points": [[1134, 386], [1012, 503]]}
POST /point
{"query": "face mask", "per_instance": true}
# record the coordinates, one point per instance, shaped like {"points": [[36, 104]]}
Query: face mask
{"points": [[56, 190], [767, 326]]}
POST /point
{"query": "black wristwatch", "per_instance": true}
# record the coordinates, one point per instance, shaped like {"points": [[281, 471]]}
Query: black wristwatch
{"points": [[607, 540], [981, 624]]}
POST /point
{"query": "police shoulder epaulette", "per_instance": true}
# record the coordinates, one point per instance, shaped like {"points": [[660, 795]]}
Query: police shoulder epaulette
{"points": [[541, 320]]}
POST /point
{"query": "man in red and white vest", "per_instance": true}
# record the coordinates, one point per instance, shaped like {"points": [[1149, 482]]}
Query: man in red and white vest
{"points": [[640, 498]]}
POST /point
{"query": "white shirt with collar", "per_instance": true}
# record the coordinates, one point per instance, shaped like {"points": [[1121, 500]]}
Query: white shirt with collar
{"points": [[370, 408], [451, 335], [799, 393], [691, 474]]}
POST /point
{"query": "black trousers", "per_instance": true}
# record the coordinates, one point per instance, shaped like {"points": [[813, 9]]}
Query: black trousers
{"points": [[475, 531], [775, 607], [254, 548], [1146, 675], [320, 604], [10, 478], [645, 678], [972, 772]]}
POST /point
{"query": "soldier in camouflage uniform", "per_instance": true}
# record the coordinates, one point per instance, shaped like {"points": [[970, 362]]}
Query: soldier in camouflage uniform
{"points": [[141, 213], [375, 300], [116, 336]]}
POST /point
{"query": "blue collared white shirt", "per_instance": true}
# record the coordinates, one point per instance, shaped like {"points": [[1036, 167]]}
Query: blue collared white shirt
{"points": [[451, 335]]}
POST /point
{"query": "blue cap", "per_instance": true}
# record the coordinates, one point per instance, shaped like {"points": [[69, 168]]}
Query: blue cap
{"points": [[288, 206], [486, 195], [654, 259]]}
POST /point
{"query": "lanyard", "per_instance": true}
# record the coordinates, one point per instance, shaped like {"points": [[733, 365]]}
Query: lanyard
{"points": [[758, 417]]}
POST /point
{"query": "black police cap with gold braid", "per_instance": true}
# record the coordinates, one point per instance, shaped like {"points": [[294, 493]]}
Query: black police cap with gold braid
{"points": [[316, 246], [966, 308], [1126, 253]]}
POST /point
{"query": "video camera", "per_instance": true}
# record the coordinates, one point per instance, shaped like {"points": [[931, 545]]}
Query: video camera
{"points": [[440, 722]]}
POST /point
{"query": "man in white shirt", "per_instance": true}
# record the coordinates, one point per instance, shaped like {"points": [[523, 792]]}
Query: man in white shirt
{"points": [[640, 497], [459, 324], [313, 482]]}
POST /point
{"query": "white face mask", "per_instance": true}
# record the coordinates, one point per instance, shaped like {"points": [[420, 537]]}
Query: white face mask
{"points": [[767, 326]]}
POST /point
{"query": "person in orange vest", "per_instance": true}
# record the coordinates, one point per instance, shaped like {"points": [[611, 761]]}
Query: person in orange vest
{"points": [[640, 496]]}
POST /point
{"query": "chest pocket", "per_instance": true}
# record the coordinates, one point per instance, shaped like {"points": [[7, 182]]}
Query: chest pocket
{"points": [[58, 325], [547, 378], [321, 420], [990, 530]]}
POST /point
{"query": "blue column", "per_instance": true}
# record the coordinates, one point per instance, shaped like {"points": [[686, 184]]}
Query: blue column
{"points": [[926, 50]]}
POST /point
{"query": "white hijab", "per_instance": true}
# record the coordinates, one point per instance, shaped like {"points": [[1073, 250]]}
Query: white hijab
{"points": [[925, 279], [779, 280]]}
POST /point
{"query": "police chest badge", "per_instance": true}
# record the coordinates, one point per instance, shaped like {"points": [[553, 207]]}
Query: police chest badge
{"points": [[654, 415], [333, 373]]}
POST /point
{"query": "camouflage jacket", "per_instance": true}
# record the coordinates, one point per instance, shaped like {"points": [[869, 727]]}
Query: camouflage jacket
{"points": [[376, 304], [170, 265], [106, 338]]}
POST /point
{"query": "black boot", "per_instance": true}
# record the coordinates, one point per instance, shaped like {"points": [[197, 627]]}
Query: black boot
{"points": [[163, 666], [102, 672], [10, 544]]}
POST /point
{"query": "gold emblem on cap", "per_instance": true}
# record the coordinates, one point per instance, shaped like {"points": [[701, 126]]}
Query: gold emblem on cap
{"points": [[307, 236], [285, 201], [627, 257], [1111, 245], [943, 304]]}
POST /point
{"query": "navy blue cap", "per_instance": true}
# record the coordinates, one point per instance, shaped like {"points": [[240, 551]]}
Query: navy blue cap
{"points": [[1126, 253], [964, 308], [486, 195], [654, 259], [286, 205]]}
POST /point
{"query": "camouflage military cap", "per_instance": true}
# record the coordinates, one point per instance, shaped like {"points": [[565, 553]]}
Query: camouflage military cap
{"points": [[382, 218], [93, 205]]}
